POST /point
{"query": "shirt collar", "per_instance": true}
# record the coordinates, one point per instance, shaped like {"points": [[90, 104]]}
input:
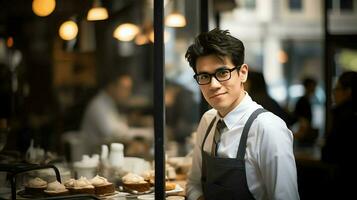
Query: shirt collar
{"points": [[238, 112]]}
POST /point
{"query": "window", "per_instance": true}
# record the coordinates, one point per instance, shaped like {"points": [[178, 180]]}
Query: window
{"points": [[295, 5], [249, 4]]}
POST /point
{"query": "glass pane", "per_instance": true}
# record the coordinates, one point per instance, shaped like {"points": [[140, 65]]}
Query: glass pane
{"points": [[286, 47], [182, 95], [71, 98]]}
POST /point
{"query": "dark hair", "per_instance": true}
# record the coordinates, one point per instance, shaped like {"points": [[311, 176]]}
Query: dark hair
{"points": [[309, 81], [216, 42], [348, 80], [257, 83]]}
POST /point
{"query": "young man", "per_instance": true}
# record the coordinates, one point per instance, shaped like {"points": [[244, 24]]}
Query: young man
{"points": [[232, 160]]}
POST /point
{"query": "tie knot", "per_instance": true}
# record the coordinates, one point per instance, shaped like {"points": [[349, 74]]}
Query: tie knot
{"points": [[220, 125], [217, 136]]}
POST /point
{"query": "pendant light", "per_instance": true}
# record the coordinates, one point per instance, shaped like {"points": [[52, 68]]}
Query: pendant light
{"points": [[43, 8], [68, 30], [97, 12], [176, 18], [126, 32]]}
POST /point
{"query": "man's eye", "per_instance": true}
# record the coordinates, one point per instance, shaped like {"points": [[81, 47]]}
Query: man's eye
{"points": [[222, 73], [203, 76]]}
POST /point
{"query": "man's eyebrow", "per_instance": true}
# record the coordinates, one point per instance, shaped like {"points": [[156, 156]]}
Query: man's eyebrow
{"points": [[222, 67], [218, 69]]}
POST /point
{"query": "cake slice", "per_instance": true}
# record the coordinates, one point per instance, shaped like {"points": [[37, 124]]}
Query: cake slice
{"points": [[82, 186], [134, 182], [35, 186], [102, 186], [56, 189]]}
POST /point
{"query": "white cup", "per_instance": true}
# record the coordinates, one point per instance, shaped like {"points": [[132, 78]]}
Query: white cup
{"points": [[116, 156], [88, 172]]}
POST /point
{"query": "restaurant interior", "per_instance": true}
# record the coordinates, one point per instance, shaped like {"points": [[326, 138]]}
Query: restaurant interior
{"points": [[56, 56]]}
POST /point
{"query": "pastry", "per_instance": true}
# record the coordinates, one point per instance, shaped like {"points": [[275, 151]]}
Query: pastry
{"points": [[69, 184], [35, 186], [56, 189], [135, 182], [82, 186], [170, 185], [149, 176], [102, 186]]}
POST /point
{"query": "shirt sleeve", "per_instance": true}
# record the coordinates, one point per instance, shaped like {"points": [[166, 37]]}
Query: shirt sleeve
{"points": [[276, 159], [109, 122], [194, 186]]}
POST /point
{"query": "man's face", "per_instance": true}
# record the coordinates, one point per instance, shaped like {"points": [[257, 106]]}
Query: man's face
{"points": [[223, 96], [123, 88], [341, 94]]}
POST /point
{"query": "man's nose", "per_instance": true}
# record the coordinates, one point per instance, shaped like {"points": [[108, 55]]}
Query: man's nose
{"points": [[215, 82]]}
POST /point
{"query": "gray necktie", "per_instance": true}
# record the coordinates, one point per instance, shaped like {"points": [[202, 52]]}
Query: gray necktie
{"points": [[217, 136]]}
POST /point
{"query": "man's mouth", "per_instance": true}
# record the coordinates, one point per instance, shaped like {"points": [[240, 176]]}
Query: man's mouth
{"points": [[217, 95]]}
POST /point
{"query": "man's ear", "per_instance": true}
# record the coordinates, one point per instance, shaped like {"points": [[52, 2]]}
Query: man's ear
{"points": [[243, 73]]}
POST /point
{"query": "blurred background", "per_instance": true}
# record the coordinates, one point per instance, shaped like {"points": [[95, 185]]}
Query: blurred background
{"points": [[55, 55]]}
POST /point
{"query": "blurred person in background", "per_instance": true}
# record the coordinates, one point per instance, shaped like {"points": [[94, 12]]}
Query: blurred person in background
{"points": [[236, 156], [257, 89], [340, 143], [306, 134], [105, 120], [180, 120]]}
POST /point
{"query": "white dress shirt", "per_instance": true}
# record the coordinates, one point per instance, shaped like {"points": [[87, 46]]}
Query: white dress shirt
{"points": [[269, 159], [102, 122]]}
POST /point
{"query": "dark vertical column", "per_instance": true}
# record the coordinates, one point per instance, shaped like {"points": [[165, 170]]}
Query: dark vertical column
{"points": [[203, 28], [217, 18], [203, 15], [159, 114], [328, 63]]}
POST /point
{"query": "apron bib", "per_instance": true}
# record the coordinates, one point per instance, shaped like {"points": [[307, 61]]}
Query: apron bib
{"points": [[225, 178]]}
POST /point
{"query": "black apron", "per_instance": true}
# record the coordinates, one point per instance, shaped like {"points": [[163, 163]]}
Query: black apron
{"points": [[225, 178]]}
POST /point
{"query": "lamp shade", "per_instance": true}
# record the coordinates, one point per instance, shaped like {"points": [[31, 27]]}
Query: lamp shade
{"points": [[97, 13], [43, 8], [126, 32], [68, 30], [175, 19]]}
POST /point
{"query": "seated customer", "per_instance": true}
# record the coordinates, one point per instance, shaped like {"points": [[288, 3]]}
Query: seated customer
{"points": [[103, 122]]}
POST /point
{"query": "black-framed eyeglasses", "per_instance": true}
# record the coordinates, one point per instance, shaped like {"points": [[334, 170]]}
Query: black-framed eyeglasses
{"points": [[221, 74]]}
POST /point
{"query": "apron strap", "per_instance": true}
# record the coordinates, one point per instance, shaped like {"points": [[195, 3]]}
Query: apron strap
{"points": [[203, 164], [208, 131], [244, 137]]}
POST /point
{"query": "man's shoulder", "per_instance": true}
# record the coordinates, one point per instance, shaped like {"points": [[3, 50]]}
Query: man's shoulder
{"points": [[207, 118], [269, 125], [209, 115], [268, 117]]}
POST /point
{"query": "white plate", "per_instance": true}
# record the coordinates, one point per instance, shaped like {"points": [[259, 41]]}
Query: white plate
{"points": [[109, 196], [177, 189], [147, 197]]}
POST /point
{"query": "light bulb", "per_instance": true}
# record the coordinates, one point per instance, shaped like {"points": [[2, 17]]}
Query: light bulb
{"points": [[43, 8], [68, 30], [126, 32], [175, 19], [97, 13]]}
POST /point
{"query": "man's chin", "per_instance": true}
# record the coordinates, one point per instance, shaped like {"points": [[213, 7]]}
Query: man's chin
{"points": [[218, 107]]}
